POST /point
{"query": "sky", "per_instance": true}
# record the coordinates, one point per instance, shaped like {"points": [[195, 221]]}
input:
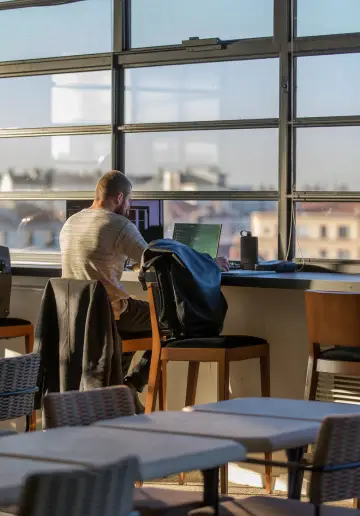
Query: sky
{"points": [[327, 86]]}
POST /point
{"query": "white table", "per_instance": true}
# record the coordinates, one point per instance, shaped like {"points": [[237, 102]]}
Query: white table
{"points": [[160, 454], [257, 434], [277, 407], [284, 410]]}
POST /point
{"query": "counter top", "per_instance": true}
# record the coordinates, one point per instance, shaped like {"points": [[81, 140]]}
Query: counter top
{"points": [[293, 280], [256, 279]]}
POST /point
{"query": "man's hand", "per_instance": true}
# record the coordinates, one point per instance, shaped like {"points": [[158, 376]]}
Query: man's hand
{"points": [[223, 263]]}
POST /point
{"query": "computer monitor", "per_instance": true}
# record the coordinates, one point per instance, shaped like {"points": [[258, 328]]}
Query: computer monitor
{"points": [[146, 214], [204, 238]]}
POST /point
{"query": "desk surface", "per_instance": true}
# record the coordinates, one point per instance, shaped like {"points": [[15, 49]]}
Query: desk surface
{"points": [[257, 279], [256, 434]]}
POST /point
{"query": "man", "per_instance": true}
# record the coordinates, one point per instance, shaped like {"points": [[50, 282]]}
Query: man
{"points": [[95, 244]]}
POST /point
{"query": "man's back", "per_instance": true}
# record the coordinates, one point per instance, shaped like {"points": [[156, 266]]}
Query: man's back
{"points": [[95, 244]]}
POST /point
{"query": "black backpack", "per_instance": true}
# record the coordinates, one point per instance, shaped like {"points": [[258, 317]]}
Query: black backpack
{"points": [[187, 290]]}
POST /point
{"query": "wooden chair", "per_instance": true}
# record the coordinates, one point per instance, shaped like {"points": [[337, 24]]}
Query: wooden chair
{"points": [[223, 350], [333, 325], [140, 342], [12, 328], [18, 386], [79, 408]]}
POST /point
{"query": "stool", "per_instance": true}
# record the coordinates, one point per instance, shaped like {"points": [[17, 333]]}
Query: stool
{"points": [[11, 328], [333, 326], [221, 350]]}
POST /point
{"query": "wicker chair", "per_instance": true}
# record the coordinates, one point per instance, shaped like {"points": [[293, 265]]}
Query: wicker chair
{"points": [[74, 408], [105, 491], [18, 385], [80, 408], [335, 476]]}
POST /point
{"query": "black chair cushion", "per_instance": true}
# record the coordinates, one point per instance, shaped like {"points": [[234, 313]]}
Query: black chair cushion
{"points": [[222, 342], [134, 336], [13, 321], [341, 353]]}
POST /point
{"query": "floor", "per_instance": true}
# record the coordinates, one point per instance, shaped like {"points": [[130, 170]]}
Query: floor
{"points": [[235, 490]]}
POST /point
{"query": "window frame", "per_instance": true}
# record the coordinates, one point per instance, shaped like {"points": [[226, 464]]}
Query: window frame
{"points": [[284, 45]]}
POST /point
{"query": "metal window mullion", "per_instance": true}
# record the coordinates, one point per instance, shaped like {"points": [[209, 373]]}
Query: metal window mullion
{"points": [[284, 26], [327, 121], [46, 66], [225, 195], [328, 44], [326, 196], [256, 48], [55, 131], [205, 125]]}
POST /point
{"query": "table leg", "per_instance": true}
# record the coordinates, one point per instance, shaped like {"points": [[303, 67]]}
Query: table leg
{"points": [[295, 477], [211, 489]]}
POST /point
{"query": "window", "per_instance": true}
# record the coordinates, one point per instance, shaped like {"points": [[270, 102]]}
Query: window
{"points": [[343, 254], [323, 231], [302, 230], [316, 17], [340, 219], [32, 226], [164, 22], [203, 160], [328, 158], [234, 216], [208, 91], [62, 30], [58, 99], [328, 85], [343, 232], [53, 162]]}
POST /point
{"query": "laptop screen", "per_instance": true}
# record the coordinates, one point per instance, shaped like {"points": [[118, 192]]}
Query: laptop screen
{"points": [[204, 238]]}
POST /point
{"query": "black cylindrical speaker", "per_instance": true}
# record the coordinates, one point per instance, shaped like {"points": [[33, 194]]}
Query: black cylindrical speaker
{"points": [[248, 250]]}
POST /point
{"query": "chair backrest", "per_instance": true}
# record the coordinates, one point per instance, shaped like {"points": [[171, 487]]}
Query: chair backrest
{"points": [[338, 445], [105, 491], [79, 408], [333, 318], [18, 385]]}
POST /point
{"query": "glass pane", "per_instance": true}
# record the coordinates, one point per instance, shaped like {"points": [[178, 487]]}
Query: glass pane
{"points": [[31, 225], [164, 22], [328, 85], [208, 91], [328, 230], [327, 158], [318, 17], [258, 216], [61, 30], [245, 159], [53, 162], [59, 99]]}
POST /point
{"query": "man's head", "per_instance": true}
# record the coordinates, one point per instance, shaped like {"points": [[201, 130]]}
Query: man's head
{"points": [[113, 192]]}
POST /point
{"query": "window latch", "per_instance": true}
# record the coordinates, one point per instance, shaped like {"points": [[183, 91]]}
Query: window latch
{"points": [[196, 44]]}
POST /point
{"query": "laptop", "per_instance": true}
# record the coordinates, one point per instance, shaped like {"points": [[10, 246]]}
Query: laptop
{"points": [[204, 238]]}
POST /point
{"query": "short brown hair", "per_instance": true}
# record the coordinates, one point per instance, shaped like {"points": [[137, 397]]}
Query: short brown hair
{"points": [[112, 184]]}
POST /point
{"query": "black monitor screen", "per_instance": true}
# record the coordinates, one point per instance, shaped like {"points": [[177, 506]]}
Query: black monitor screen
{"points": [[146, 214]]}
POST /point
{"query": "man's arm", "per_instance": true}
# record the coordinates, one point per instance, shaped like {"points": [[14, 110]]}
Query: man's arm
{"points": [[131, 242]]}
